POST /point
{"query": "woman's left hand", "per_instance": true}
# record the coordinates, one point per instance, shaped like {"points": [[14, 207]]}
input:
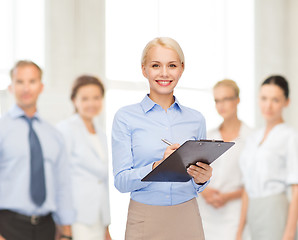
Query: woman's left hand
{"points": [[201, 172]]}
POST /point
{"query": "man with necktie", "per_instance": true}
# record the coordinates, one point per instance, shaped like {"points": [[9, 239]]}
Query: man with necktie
{"points": [[35, 192]]}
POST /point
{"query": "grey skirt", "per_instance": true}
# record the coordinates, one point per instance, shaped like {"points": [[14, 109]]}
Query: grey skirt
{"points": [[178, 222], [267, 217]]}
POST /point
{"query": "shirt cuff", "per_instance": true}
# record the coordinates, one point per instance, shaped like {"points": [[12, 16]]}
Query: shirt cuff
{"points": [[199, 188], [145, 170]]}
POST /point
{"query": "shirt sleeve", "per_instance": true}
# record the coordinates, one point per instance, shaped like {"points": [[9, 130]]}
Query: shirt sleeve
{"points": [[126, 177], [65, 130], [65, 213]]}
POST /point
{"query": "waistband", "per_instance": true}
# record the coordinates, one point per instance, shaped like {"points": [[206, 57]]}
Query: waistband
{"points": [[34, 219]]}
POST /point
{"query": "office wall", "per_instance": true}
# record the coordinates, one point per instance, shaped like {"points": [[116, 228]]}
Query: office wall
{"points": [[292, 59], [75, 44], [276, 49]]}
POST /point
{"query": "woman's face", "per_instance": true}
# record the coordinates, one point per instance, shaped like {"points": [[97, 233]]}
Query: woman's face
{"points": [[226, 101], [88, 101], [272, 102], [163, 70]]}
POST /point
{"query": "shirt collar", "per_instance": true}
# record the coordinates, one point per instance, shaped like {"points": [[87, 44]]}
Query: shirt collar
{"points": [[17, 112], [147, 104]]}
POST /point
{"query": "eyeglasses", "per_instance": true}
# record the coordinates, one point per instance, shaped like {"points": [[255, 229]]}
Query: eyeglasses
{"points": [[225, 100]]}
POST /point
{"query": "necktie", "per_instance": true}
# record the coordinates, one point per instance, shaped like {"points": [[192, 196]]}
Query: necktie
{"points": [[37, 176]]}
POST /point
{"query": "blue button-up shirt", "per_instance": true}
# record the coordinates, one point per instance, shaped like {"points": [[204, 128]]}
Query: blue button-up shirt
{"points": [[136, 145], [15, 168]]}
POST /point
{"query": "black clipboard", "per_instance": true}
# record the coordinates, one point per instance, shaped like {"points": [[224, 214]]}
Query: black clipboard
{"points": [[173, 168]]}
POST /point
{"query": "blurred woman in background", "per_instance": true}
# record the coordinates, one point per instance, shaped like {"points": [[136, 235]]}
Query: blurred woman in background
{"points": [[269, 164], [87, 150], [220, 202]]}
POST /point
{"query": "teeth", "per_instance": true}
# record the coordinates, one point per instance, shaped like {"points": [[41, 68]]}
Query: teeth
{"points": [[164, 82]]}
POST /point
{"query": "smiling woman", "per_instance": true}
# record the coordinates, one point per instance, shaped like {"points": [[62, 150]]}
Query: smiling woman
{"points": [[217, 38], [137, 149], [163, 67]]}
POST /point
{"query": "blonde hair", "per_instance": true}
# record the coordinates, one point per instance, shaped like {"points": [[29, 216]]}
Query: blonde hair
{"points": [[228, 83], [164, 42]]}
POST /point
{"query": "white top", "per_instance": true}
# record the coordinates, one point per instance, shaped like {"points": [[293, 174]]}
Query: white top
{"points": [[98, 147], [268, 168], [226, 177]]}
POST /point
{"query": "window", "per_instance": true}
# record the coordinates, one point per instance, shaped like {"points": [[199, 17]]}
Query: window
{"points": [[6, 42], [22, 31], [217, 39]]}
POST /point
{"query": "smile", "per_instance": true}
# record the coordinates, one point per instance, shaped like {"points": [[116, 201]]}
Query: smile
{"points": [[164, 83]]}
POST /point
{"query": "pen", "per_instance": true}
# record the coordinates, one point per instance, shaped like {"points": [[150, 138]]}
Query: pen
{"points": [[166, 141]]}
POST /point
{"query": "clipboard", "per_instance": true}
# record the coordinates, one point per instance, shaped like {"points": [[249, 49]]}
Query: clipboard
{"points": [[173, 168]]}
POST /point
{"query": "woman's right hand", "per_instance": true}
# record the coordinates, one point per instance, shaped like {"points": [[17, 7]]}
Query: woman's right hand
{"points": [[170, 149]]}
